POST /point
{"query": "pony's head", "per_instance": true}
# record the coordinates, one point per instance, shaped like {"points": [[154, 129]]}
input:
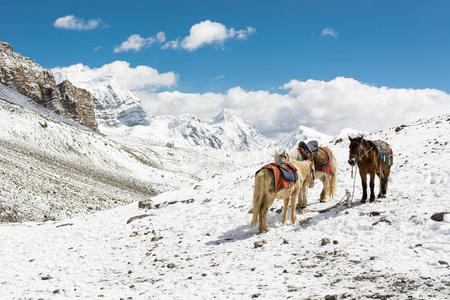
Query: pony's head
{"points": [[355, 149], [280, 157]]}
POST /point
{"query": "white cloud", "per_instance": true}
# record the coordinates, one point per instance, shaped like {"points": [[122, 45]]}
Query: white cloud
{"points": [[218, 77], [134, 42], [97, 48], [330, 32], [161, 37], [74, 23], [327, 106], [175, 44], [133, 78], [206, 33]]}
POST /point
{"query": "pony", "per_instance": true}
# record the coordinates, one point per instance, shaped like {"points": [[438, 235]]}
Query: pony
{"points": [[328, 180], [371, 160], [264, 192]]}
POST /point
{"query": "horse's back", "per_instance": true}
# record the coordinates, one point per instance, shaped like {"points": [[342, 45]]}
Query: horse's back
{"points": [[384, 153]]}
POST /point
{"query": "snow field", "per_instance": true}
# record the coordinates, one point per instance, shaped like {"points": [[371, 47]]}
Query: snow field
{"points": [[204, 248]]}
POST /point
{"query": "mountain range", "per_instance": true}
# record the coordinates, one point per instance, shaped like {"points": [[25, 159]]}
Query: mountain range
{"points": [[98, 100]]}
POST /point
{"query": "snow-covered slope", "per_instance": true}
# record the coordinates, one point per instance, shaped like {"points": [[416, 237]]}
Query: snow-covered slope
{"points": [[226, 131], [203, 248], [11, 96], [62, 169], [115, 105], [303, 133]]}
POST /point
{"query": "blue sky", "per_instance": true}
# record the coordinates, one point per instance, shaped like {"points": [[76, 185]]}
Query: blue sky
{"points": [[399, 44]]}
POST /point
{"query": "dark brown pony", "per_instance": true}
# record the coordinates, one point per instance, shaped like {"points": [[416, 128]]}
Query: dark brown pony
{"points": [[365, 154]]}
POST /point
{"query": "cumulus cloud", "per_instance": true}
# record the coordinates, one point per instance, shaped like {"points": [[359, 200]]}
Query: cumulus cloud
{"points": [[175, 44], [207, 33], [327, 106], [135, 42], [132, 78], [161, 37], [73, 23], [330, 32]]}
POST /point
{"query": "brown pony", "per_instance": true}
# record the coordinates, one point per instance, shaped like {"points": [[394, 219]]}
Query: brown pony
{"points": [[264, 192], [366, 155]]}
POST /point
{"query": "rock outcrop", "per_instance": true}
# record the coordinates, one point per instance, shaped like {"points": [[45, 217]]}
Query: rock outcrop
{"points": [[37, 83], [78, 104], [115, 105]]}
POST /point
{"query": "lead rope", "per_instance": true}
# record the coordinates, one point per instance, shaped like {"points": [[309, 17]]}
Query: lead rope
{"points": [[350, 200]]}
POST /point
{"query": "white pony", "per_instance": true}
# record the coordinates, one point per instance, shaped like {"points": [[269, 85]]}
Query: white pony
{"points": [[328, 180], [264, 192]]}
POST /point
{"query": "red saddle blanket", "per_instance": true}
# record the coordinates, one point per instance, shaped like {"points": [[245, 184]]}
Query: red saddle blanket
{"points": [[279, 171], [322, 160]]}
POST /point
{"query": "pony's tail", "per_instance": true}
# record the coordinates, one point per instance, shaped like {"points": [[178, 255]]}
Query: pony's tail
{"points": [[333, 179], [257, 191]]}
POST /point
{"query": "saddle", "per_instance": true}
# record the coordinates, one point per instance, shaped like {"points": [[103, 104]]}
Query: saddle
{"points": [[321, 156], [285, 174], [384, 152]]}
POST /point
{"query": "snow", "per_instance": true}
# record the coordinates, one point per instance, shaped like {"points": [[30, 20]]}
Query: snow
{"points": [[303, 133], [226, 131], [115, 105], [204, 248], [120, 113]]}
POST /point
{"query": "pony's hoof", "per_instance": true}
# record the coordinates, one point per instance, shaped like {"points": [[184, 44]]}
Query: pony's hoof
{"points": [[372, 199], [379, 196], [363, 200]]}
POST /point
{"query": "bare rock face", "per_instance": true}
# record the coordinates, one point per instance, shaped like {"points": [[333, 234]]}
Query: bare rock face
{"points": [[78, 104], [37, 83]]}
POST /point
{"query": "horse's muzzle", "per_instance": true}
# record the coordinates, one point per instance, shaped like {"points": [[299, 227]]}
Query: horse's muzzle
{"points": [[351, 161]]}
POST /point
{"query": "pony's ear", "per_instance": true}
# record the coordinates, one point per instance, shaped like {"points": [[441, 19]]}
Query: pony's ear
{"points": [[275, 153], [349, 138]]}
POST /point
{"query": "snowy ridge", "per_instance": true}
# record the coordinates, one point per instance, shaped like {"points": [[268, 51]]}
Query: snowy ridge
{"points": [[303, 133], [115, 105], [119, 112], [226, 131]]}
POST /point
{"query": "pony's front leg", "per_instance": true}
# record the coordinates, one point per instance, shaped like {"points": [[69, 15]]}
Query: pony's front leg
{"points": [[372, 187], [285, 210], [364, 185]]}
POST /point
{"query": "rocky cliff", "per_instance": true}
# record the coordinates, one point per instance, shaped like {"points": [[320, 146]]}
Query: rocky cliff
{"points": [[78, 104], [36, 82]]}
